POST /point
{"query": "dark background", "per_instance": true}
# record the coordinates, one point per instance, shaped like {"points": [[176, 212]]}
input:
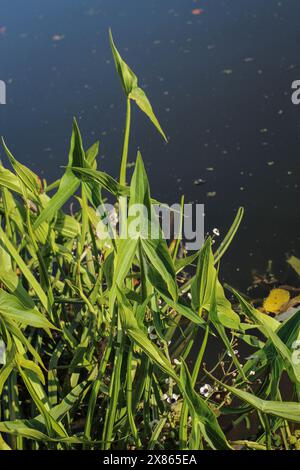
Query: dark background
{"points": [[220, 83]]}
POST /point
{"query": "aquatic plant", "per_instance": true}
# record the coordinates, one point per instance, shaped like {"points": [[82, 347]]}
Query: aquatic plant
{"points": [[104, 345]]}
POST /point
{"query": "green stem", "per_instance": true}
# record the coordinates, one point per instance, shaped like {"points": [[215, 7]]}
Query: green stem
{"points": [[129, 400], [126, 144], [184, 412], [114, 390], [96, 387]]}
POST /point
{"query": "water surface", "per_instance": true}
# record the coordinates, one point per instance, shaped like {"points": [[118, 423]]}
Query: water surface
{"points": [[220, 82]]}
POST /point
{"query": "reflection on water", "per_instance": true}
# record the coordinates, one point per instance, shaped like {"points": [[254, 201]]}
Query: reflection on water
{"points": [[219, 75]]}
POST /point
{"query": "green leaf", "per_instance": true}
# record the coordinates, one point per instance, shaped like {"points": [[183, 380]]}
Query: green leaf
{"points": [[9, 180], [203, 286], [202, 415], [30, 365], [102, 178], [91, 154], [28, 178], [132, 329], [285, 410], [230, 235], [295, 263], [139, 96], [7, 245], [13, 284], [292, 367], [122, 263], [128, 78], [69, 183], [158, 255], [11, 307], [184, 311], [68, 186], [152, 241], [130, 86]]}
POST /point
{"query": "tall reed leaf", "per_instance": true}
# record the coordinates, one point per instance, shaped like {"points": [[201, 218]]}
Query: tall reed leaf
{"points": [[130, 85], [69, 182]]}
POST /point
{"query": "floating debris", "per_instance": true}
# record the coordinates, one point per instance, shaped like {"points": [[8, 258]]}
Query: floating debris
{"points": [[3, 30], [199, 182], [58, 37], [227, 72], [197, 11], [211, 194]]}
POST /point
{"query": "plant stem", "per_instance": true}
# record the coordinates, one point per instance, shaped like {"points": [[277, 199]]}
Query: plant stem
{"points": [[184, 411], [125, 144]]}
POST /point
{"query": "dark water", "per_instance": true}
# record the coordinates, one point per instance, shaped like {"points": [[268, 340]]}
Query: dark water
{"points": [[220, 83]]}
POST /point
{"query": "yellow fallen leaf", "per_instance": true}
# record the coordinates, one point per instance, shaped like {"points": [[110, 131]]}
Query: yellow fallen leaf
{"points": [[276, 299]]}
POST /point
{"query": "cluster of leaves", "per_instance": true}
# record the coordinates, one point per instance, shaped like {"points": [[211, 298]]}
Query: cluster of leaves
{"points": [[98, 337]]}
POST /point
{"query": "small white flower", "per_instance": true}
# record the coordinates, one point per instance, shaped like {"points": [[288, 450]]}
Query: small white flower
{"points": [[206, 390], [113, 217], [176, 362], [164, 397], [235, 352], [189, 296], [216, 232], [252, 372], [152, 335], [173, 398]]}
